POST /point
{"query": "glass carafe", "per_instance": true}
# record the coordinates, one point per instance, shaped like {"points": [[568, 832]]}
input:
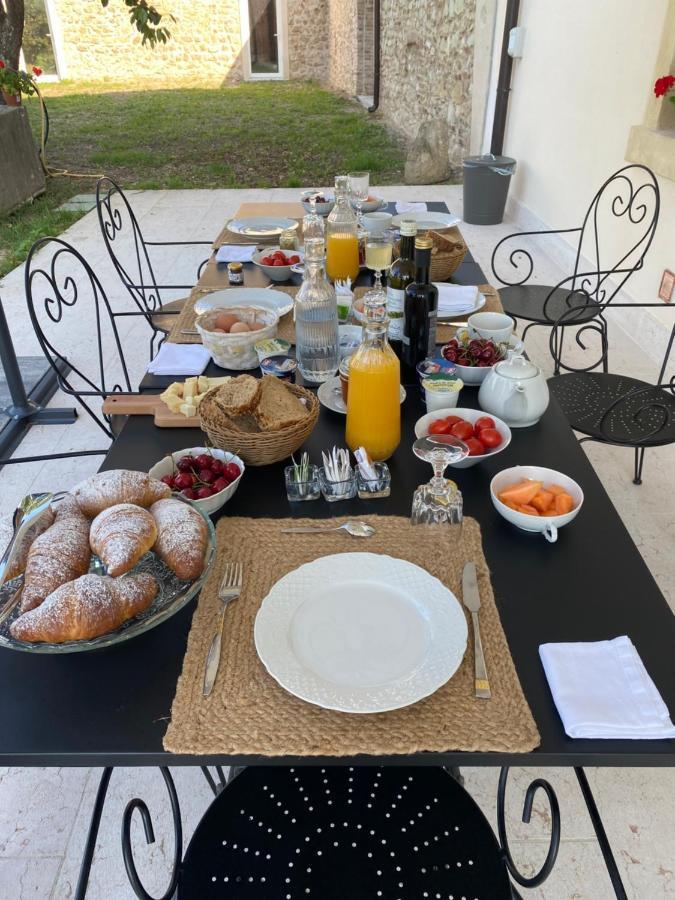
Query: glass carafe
{"points": [[316, 322], [374, 397], [342, 243]]}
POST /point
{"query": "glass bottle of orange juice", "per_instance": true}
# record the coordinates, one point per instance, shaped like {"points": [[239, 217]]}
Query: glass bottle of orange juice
{"points": [[342, 243], [373, 399]]}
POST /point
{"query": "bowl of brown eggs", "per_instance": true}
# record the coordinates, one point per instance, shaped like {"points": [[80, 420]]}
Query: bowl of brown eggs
{"points": [[230, 334]]}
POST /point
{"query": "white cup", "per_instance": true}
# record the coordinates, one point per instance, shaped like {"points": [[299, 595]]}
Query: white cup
{"points": [[376, 222], [497, 327]]}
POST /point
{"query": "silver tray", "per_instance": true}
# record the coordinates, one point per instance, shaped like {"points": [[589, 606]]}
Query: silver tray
{"points": [[172, 596]]}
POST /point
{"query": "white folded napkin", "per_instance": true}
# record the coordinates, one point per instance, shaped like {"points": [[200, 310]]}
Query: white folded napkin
{"points": [[602, 690], [404, 206], [180, 359], [455, 299], [235, 253]]}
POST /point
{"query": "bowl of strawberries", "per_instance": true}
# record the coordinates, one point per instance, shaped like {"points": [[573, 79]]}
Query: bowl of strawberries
{"points": [[485, 436], [276, 263], [206, 475]]}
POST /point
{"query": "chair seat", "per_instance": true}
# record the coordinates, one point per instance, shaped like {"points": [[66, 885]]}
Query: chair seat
{"points": [[334, 833], [165, 323], [526, 301], [646, 417]]}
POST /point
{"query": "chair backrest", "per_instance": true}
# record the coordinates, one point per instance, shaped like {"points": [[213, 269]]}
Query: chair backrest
{"points": [[124, 240], [72, 319], [616, 232]]}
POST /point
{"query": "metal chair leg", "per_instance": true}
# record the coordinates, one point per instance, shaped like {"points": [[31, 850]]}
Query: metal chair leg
{"points": [[639, 460]]}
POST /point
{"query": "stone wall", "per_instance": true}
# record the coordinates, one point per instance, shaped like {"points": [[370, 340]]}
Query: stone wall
{"points": [[366, 48], [308, 41], [427, 67], [343, 56], [100, 43]]}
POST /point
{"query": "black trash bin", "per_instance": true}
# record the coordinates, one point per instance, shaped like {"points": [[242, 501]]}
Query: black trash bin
{"points": [[486, 185]]}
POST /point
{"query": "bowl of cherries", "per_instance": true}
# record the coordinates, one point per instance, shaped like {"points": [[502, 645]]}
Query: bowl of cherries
{"points": [[473, 357], [207, 476]]}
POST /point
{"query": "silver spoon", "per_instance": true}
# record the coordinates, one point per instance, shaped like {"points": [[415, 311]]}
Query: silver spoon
{"points": [[351, 526]]}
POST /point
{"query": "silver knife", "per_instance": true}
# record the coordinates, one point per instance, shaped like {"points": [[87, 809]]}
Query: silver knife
{"points": [[471, 598]]}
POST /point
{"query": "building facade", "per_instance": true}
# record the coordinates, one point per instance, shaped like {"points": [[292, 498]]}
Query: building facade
{"points": [[427, 47]]}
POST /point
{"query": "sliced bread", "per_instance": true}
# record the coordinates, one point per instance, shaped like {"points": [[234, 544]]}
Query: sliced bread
{"points": [[277, 407], [238, 396]]}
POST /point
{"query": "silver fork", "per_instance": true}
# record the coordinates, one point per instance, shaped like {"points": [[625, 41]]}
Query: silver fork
{"points": [[229, 590]]}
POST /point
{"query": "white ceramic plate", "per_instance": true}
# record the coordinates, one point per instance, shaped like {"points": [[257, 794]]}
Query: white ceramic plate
{"points": [[360, 633], [330, 394], [427, 221], [261, 226], [368, 206], [277, 301]]}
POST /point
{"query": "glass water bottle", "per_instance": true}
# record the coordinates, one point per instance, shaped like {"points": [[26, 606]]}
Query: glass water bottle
{"points": [[342, 242], [316, 321]]}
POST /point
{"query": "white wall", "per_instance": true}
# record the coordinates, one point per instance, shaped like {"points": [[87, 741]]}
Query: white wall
{"points": [[585, 78]]}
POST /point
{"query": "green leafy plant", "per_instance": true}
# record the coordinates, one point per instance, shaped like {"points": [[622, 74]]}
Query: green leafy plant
{"points": [[147, 20], [17, 81]]}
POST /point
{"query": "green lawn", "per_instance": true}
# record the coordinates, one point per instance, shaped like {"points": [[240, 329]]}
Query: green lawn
{"points": [[271, 134]]}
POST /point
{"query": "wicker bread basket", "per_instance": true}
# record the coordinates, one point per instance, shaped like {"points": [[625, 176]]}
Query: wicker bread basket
{"points": [[447, 253], [263, 447]]}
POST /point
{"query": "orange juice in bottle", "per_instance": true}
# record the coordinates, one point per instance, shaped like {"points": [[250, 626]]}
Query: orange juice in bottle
{"points": [[373, 400], [342, 243]]}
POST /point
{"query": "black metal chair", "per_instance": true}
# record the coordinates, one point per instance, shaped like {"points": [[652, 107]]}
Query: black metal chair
{"points": [[57, 291], [129, 253], [606, 257], [277, 833], [612, 408]]}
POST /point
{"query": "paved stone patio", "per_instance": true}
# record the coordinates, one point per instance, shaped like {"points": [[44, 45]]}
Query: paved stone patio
{"points": [[44, 813]]}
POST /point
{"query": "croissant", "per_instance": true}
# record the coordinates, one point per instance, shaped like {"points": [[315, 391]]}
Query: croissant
{"points": [[121, 535], [85, 608], [18, 565], [118, 486], [58, 555], [181, 538]]}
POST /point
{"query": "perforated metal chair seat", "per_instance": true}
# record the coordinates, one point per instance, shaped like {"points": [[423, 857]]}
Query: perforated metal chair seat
{"points": [[526, 301], [165, 323], [586, 396], [342, 833]]}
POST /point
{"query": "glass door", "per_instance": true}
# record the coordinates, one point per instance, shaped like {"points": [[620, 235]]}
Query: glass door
{"points": [[263, 38]]}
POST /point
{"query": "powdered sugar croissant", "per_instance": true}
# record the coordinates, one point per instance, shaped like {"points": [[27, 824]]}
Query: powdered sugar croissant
{"points": [[121, 535], [86, 608], [181, 537], [58, 555], [118, 486]]}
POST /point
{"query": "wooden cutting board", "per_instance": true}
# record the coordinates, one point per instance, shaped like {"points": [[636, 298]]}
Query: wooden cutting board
{"points": [[148, 405]]}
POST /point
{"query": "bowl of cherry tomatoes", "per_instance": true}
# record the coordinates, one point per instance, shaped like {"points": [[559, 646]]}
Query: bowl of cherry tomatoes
{"points": [[206, 475], [276, 263], [485, 436]]}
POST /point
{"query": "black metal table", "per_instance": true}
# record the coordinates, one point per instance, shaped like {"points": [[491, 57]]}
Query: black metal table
{"points": [[110, 708]]}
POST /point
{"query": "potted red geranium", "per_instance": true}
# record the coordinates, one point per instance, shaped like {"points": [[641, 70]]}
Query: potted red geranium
{"points": [[665, 85], [15, 82]]}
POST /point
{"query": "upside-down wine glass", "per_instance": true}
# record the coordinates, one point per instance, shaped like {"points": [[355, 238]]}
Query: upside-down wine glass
{"points": [[439, 502]]}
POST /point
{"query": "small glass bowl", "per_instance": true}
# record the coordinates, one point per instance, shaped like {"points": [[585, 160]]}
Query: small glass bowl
{"points": [[374, 488], [337, 490], [302, 490]]}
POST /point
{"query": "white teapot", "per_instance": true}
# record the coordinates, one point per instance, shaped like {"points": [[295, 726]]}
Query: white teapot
{"points": [[516, 391]]}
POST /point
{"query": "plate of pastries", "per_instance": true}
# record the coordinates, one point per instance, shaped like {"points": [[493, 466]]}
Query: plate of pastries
{"points": [[115, 556]]}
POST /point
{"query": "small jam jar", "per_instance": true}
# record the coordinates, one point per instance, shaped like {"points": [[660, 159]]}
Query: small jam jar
{"points": [[235, 273], [283, 367]]}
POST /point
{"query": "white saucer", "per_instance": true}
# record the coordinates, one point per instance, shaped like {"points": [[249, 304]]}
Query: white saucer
{"points": [[330, 395]]}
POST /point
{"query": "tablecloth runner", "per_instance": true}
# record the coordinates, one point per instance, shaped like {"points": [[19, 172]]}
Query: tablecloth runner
{"points": [[286, 330], [249, 713]]}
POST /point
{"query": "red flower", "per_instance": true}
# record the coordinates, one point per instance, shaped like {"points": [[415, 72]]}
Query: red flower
{"points": [[38, 71], [663, 85], [2, 65]]}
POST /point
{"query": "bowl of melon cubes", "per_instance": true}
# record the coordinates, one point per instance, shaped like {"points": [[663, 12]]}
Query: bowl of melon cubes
{"points": [[536, 499]]}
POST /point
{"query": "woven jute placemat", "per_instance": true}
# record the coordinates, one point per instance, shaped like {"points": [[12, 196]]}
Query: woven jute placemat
{"points": [[249, 713], [286, 329]]}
